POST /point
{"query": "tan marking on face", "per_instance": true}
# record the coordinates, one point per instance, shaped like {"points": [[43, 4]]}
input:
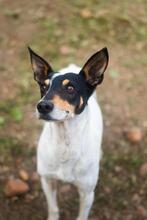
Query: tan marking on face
{"points": [[47, 82], [62, 104], [65, 82], [81, 101]]}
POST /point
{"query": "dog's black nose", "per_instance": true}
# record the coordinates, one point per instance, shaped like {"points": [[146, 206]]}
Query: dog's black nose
{"points": [[45, 107]]}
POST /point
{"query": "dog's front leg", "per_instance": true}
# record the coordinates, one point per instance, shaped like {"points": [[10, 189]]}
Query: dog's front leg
{"points": [[50, 191], [86, 200]]}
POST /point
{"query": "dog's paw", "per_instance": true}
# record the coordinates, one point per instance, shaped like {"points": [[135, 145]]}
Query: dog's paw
{"points": [[79, 218], [53, 216]]}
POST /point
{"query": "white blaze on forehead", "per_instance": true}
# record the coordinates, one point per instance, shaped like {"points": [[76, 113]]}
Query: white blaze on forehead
{"points": [[72, 68], [55, 75]]}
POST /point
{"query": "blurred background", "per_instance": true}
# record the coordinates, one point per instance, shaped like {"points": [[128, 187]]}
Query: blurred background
{"points": [[66, 32]]}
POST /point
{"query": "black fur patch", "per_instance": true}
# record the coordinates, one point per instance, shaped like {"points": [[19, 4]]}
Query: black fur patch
{"points": [[74, 89], [80, 90], [42, 70]]}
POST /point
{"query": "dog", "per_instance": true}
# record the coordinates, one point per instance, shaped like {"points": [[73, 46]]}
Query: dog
{"points": [[69, 147]]}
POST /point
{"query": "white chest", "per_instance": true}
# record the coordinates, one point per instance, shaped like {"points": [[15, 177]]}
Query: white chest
{"points": [[66, 151], [59, 157]]}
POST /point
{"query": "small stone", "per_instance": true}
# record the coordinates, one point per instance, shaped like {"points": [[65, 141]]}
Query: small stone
{"points": [[86, 13], [65, 188], [14, 198], [24, 175], [125, 203], [133, 178], [134, 135], [35, 177], [145, 124], [107, 190], [136, 198], [143, 170], [65, 50], [4, 169], [29, 198], [142, 211], [36, 194], [141, 192], [15, 187], [139, 46], [117, 169], [128, 217]]}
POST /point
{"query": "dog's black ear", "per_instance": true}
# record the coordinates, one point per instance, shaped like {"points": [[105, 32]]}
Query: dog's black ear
{"points": [[94, 68], [42, 70]]}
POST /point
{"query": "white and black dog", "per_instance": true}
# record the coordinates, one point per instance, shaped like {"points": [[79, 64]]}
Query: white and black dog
{"points": [[69, 148]]}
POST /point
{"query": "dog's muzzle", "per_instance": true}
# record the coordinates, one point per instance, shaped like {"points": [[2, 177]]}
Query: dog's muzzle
{"points": [[45, 107]]}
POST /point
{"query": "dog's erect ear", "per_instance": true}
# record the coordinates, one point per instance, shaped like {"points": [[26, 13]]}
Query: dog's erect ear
{"points": [[41, 68], [94, 68]]}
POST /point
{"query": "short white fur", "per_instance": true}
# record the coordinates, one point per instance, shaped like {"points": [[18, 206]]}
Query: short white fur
{"points": [[70, 151]]}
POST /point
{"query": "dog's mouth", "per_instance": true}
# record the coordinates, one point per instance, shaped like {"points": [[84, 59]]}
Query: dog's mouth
{"points": [[50, 117], [46, 117]]}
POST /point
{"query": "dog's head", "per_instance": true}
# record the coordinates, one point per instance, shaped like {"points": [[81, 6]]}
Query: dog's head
{"points": [[65, 95]]}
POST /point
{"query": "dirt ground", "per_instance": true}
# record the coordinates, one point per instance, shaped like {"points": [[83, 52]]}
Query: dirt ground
{"points": [[69, 32]]}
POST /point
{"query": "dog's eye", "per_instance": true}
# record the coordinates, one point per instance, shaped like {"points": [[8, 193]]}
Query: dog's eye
{"points": [[70, 89]]}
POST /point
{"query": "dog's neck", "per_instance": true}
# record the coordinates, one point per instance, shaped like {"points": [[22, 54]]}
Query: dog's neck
{"points": [[70, 129], [66, 136], [77, 122]]}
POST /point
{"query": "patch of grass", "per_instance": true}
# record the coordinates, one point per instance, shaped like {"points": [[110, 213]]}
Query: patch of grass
{"points": [[14, 14], [113, 73], [2, 67], [12, 110], [12, 147], [130, 162], [28, 92], [16, 113], [2, 121], [135, 161], [135, 62], [105, 24]]}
